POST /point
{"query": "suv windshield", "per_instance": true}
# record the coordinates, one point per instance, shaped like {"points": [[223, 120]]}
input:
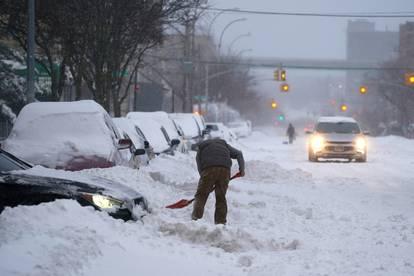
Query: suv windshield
{"points": [[338, 127]]}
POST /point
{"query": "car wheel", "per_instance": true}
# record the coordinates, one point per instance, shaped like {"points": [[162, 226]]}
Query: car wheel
{"points": [[312, 157], [363, 159]]}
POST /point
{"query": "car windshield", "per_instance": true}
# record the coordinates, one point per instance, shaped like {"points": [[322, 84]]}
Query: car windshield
{"points": [[338, 127], [8, 163], [212, 127]]}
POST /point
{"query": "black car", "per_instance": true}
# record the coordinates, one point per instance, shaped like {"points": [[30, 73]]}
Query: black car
{"points": [[18, 187]]}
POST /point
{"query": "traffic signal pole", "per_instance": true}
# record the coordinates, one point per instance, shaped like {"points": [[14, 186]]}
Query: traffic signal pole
{"points": [[206, 86]]}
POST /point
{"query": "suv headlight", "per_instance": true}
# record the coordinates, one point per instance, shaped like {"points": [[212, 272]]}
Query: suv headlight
{"points": [[360, 144], [103, 202], [317, 143]]}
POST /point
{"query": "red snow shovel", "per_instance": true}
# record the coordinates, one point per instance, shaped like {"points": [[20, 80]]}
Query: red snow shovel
{"points": [[185, 202]]}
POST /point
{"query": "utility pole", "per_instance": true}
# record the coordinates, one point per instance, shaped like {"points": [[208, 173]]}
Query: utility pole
{"points": [[206, 87], [31, 52], [136, 89]]}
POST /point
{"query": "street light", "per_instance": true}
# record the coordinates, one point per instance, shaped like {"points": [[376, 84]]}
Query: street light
{"points": [[243, 51], [215, 18], [238, 38], [226, 27]]}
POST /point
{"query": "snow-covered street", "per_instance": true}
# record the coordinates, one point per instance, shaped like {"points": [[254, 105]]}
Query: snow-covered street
{"points": [[286, 217]]}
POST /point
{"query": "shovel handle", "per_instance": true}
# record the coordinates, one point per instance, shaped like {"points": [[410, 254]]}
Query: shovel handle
{"points": [[235, 176]]}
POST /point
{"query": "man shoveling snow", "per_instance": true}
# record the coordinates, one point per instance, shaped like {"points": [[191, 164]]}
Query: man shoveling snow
{"points": [[214, 164]]}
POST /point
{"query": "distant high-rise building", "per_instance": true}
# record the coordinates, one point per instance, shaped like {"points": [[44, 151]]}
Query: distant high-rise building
{"points": [[406, 50], [371, 46], [365, 43]]}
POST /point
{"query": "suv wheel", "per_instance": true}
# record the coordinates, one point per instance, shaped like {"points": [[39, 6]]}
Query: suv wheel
{"points": [[363, 159], [312, 157]]}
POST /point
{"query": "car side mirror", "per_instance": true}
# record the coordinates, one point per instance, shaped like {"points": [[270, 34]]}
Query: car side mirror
{"points": [[124, 144], [175, 142], [366, 133], [140, 152], [206, 131]]}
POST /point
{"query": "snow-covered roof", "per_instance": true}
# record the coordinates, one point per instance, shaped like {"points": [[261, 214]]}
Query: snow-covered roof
{"points": [[336, 119], [52, 133], [188, 123], [159, 116]]}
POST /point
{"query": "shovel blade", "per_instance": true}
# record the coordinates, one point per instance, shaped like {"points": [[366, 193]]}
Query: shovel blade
{"points": [[180, 204]]}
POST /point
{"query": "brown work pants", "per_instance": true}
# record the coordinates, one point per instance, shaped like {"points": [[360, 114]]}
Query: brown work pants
{"points": [[217, 179]]}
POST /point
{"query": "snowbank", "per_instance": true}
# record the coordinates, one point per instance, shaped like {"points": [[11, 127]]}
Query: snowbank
{"points": [[286, 217]]}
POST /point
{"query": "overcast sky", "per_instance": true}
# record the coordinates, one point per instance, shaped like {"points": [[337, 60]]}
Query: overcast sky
{"points": [[300, 37]]}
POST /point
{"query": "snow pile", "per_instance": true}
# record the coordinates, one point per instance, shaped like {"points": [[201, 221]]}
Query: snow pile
{"points": [[286, 217]]}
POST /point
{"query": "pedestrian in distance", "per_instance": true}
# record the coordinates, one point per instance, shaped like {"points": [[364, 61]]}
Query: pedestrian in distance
{"points": [[291, 133], [214, 160]]}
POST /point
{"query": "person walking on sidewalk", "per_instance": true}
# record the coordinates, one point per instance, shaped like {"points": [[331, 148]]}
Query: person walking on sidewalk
{"points": [[214, 163]]}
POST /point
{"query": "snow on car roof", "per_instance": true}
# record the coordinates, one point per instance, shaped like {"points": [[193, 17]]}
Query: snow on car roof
{"points": [[188, 123], [336, 119], [38, 109], [128, 126], [152, 131], [159, 116], [51, 133]]}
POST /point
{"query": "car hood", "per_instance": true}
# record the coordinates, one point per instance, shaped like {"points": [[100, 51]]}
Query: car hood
{"points": [[340, 137], [73, 182]]}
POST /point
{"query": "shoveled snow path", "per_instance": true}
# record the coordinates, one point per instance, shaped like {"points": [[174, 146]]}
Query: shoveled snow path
{"points": [[286, 217]]}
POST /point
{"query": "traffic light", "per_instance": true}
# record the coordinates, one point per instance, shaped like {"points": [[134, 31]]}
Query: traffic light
{"points": [[283, 75], [409, 79], [274, 104], [281, 117], [284, 87], [276, 75], [344, 107], [363, 89]]}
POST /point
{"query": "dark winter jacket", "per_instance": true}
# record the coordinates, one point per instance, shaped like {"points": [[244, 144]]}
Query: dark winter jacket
{"points": [[290, 131], [216, 152]]}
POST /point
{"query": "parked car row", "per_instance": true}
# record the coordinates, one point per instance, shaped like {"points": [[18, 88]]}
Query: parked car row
{"points": [[230, 132], [82, 135]]}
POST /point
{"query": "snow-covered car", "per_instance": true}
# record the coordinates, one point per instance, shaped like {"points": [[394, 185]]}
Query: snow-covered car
{"points": [[171, 128], [240, 128], [201, 122], [337, 137], [129, 130], [192, 126], [67, 135], [219, 130], [154, 133], [20, 186]]}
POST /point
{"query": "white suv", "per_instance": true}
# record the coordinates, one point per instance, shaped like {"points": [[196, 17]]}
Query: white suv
{"points": [[337, 137]]}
